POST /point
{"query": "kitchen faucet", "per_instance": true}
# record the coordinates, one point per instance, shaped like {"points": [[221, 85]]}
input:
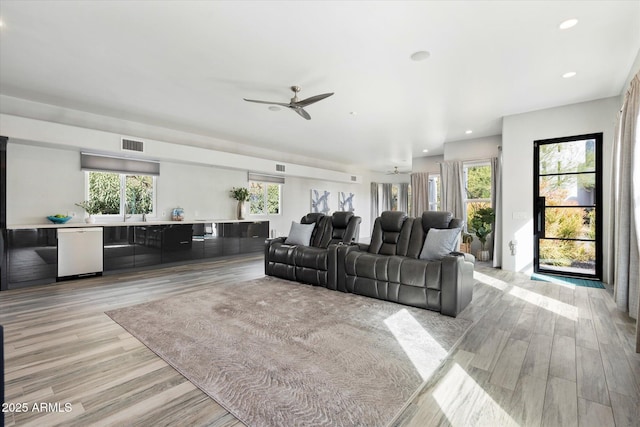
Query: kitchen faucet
{"points": [[126, 207]]}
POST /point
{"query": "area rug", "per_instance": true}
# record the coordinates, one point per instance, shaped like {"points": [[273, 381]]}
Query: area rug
{"points": [[279, 353], [563, 280]]}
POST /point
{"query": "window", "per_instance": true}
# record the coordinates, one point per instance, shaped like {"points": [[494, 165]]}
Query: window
{"points": [[397, 198], [434, 192], [120, 194], [264, 198], [477, 179]]}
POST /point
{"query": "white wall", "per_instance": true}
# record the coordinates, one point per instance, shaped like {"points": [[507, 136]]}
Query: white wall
{"points": [[518, 133], [472, 149], [428, 164], [44, 181]]}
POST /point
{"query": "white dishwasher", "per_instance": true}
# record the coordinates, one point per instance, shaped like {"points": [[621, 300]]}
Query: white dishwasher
{"points": [[79, 251]]}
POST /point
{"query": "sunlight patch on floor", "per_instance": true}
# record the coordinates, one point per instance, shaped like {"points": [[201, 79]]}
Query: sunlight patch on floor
{"points": [[491, 281], [563, 309], [459, 390], [422, 349]]}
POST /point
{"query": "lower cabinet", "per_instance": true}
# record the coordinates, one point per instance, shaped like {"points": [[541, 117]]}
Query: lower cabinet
{"points": [[177, 243], [148, 245], [32, 254], [119, 248]]}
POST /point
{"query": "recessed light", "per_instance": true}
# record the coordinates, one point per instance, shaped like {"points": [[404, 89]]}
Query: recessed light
{"points": [[565, 25], [569, 75], [274, 108], [425, 150], [420, 55], [468, 131]]}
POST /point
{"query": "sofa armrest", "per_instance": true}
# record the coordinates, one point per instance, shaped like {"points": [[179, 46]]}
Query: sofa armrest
{"points": [[467, 257], [268, 243], [457, 284], [341, 254]]}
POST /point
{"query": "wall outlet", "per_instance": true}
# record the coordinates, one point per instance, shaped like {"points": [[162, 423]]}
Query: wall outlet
{"points": [[72, 214], [195, 214], [164, 214], [520, 215]]}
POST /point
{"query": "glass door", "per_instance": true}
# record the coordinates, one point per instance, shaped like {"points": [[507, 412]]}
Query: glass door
{"points": [[568, 201]]}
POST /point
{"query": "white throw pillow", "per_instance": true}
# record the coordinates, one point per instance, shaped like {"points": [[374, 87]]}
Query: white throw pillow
{"points": [[300, 234], [439, 242]]}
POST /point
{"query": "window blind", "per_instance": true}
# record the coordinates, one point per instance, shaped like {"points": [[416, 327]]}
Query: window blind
{"points": [[266, 178], [102, 163]]}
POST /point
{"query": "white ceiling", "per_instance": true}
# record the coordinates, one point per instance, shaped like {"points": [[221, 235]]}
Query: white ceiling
{"points": [[187, 65]]}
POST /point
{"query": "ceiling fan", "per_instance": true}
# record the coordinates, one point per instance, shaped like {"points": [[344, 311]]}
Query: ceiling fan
{"points": [[395, 171], [295, 104]]}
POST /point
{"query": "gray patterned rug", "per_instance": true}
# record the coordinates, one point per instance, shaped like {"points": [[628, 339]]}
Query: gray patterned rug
{"points": [[279, 353]]}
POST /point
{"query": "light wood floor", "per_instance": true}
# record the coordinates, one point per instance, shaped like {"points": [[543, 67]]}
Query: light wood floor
{"points": [[538, 354]]}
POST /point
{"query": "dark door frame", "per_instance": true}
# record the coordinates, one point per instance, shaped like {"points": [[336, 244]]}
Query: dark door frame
{"points": [[538, 205]]}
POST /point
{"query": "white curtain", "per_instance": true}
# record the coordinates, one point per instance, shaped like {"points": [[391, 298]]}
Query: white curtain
{"points": [[375, 203], [451, 174], [387, 195], [419, 193], [403, 197], [496, 202], [626, 206]]}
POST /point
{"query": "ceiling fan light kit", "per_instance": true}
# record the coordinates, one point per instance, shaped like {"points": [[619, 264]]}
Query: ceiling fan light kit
{"points": [[295, 104]]}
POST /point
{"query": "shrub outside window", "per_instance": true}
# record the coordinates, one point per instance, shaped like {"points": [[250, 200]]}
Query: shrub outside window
{"points": [[120, 194], [264, 198], [477, 178]]}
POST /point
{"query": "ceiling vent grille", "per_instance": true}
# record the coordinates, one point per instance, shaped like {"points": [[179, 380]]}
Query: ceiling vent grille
{"points": [[279, 168], [132, 145], [354, 178]]}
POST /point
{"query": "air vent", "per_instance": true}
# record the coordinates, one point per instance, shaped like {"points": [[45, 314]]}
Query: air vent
{"points": [[354, 178], [279, 168], [132, 145]]}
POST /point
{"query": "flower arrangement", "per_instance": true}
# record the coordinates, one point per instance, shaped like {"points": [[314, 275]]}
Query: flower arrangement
{"points": [[241, 194], [92, 207]]}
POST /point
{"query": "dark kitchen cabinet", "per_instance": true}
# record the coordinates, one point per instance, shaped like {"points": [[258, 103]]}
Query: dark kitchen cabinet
{"points": [[119, 248], [253, 235], [244, 237], [32, 255], [177, 243], [148, 245], [213, 241]]}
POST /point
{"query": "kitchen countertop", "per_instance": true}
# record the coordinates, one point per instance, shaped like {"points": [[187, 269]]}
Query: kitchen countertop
{"points": [[73, 223]]}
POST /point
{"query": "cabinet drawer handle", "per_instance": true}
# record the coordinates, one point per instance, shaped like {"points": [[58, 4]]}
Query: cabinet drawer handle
{"points": [[184, 242]]}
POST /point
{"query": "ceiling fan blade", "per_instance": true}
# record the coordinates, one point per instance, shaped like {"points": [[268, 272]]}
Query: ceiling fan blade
{"points": [[301, 111], [312, 99], [267, 102]]}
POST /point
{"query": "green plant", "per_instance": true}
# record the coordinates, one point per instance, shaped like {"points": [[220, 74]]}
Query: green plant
{"points": [[481, 224], [467, 238], [241, 194], [92, 207]]}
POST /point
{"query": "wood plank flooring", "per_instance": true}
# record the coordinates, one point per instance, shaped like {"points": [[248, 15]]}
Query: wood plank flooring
{"points": [[538, 354]]}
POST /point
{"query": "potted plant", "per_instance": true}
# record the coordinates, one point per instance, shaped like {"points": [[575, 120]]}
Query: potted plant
{"points": [[466, 242], [92, 207], [481, 224], [241, 194]]}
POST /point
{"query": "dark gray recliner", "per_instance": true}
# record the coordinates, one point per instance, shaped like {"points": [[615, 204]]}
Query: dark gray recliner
{"points": [[314, 264], [389, 267]]}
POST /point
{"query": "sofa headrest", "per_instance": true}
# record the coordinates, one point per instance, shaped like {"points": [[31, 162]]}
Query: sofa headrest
{"points": [[341, 219], [311, 218], [392, 220], [435, 219]]}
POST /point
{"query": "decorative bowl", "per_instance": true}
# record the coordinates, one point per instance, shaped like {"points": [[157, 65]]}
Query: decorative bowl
{"points": [[57, 220]]}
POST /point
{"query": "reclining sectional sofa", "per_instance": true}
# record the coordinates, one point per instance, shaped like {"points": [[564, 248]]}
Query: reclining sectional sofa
{"points": [[315, 263], [400, 264]]}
